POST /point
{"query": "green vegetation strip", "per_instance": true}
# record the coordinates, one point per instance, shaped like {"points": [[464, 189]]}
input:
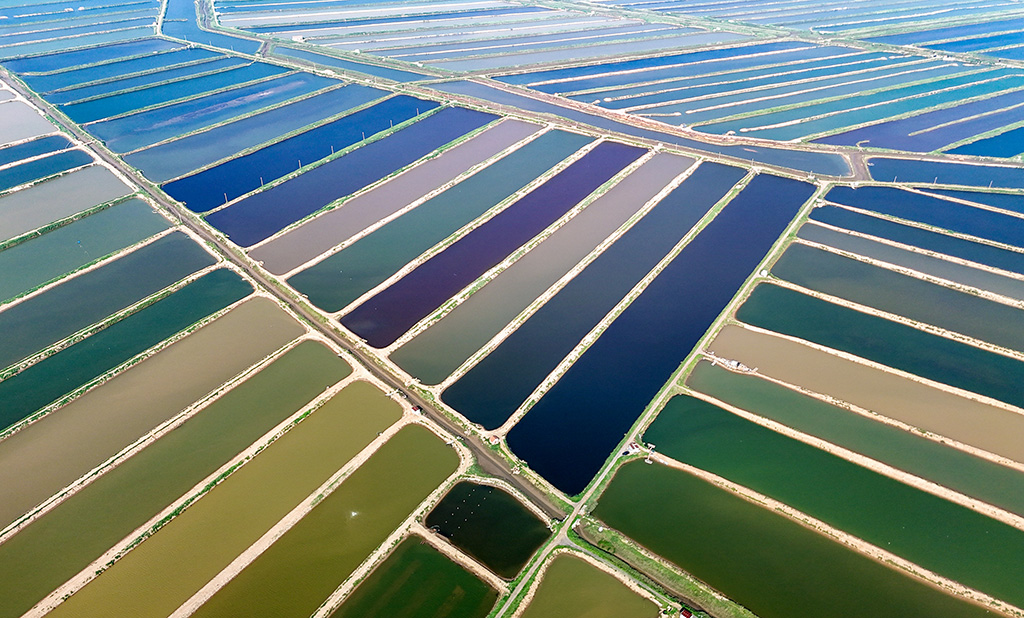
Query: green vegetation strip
{"points": [[417, 581], [955, 469], [54, 548], [172, 565], [59, 448], [925, 529], [302, 568], [769, 563]]}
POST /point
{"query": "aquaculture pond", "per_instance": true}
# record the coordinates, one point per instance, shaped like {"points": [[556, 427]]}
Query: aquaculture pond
{"points": [[314, 237], [149, 580], [348, 65], [345, 276], [899, 294], [32, 171], [731, 543], [928, 172], [417, 581], [267, 212], [54, 548], [92, 55], [944, 537], [1005, 201], [573, 588], [384, 317], [1006, 144], [930, 460], [913, 403], [490, 525], [62, 310], [568, 434], [301, 569], [35, 262], [57, 199], [151, 64], [73, 367], [446, 344], [933, 211], [105, 420], [33, 148], [175, 158], [491, 391], [19, 120]]}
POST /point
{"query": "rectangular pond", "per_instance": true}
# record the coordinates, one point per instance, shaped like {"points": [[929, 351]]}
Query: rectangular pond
{"points": [[37, 169], [384, 317], [149, 580], [103, 421], [491, 391], [56, 547], [69, 78], [139, 81], [20, 121], [346, 275], [928, 172], [571, 586], [33, 148]]}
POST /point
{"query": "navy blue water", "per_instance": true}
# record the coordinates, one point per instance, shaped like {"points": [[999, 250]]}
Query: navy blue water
{"points": [[917, 237], [927, 172], [65, 79], [169, 160], [384, 317], [114, 23], [176, 73], [212, 187], [933, 211], [492, 390], [36, 147], [813, 162], [1009, 144], [41, 168], [348, 274], [348, 65], [92, 55], [60, 311], [1005, 201], [264, 214], [569, 433], [889, 343], [116, 104], [913, 38], [42, 383], [147, 128]]}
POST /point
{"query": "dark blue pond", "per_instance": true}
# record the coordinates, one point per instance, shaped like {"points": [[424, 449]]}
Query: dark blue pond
{"points": [[813, 162], [146, 128], [913, 38], [933, 211], [36, 147], [211, 188], [348, 65], [1005, 201], [917, 237], [492, 390], [113, 105], [60, 311], [383, 318], [74, 366], [889, 343], [1014, 53], [927, 172], [348, 274], [980, 43], [897, 134], [1009, 144], [40, 168], [78, 30], [146, 79], [262, 215], [569, 433], [65, 79], [93, 55], [165, 161], [644, 63]]}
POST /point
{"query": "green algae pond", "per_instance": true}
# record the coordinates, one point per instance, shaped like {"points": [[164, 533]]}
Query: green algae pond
{"points": [[490, 525], [944, 537], [296, 574], [56, 450], [573, 588], [55, 547], [172, 565], [945, 465], [417, 581], [764, 561]]}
